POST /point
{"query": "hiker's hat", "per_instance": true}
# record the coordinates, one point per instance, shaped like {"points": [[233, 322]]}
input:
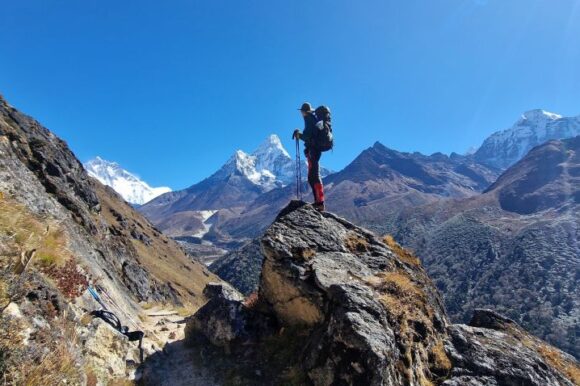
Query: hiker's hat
{"points": [[306, 107]]}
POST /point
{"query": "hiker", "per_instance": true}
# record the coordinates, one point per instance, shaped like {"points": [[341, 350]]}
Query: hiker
{"points": [[312, 152]]}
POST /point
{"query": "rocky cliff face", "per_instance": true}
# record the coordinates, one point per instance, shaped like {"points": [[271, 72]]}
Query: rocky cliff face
{"points": [[59, 231], [338, 306]]}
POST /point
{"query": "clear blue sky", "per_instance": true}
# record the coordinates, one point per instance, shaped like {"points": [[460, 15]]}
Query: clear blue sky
{"points": [[169, 89]]}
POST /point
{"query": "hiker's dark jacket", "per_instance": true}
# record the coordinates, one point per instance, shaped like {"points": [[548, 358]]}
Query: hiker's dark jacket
{"points": [[309, 130]]}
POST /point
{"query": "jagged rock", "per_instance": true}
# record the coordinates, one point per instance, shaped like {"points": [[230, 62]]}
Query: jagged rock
{"points": [[367, 314], [221, 291], [324, 273], [490, 319]]}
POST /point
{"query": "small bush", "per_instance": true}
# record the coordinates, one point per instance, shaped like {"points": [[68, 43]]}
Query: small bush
{"points": [[69, 280]]}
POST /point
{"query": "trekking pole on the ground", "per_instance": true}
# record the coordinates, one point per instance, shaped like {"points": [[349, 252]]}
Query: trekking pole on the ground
{"points": [[298, 171], [96, 296]]}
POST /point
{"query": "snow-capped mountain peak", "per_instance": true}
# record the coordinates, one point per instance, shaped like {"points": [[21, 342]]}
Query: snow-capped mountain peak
{"points": [[271, 146], [504, 148], [539, 114], [128, 185], [269, 166]]}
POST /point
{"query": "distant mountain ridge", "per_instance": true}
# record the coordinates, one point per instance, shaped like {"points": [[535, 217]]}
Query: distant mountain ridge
{"points": [[535, 127], [377, 184], [129, 186], [243, 178]]}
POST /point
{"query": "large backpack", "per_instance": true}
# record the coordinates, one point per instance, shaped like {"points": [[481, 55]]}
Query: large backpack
{"points": [[323, 138]]}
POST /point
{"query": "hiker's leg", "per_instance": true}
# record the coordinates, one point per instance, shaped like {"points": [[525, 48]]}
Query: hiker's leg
{"points": [[317, 187], [311, 177]]}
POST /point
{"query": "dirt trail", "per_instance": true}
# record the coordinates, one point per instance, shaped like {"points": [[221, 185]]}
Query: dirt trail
{"points": [[161, 326], [168, 361]]}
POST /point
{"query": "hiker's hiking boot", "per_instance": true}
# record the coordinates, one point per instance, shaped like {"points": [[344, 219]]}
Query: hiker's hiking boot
{"points": [[319, 206]]}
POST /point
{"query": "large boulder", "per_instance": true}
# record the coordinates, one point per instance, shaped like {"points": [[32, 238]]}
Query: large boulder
{"points": [[222, 319], [367, 314]]}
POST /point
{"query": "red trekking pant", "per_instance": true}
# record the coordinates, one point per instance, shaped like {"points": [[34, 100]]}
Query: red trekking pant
{"points": [[313, 157]]}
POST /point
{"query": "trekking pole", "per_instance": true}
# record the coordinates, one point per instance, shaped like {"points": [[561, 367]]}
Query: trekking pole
{"points": [[96, 296], [298, 171]]}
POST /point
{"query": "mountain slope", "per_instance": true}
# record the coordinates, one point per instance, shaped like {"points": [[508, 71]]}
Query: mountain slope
{"points": [[514, 249], [381, 180], [129, 186], [60, 231], [504, 148]]}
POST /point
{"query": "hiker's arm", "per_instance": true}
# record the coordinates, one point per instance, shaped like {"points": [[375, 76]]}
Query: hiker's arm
{"points": [[297, 134], [308, 129]]}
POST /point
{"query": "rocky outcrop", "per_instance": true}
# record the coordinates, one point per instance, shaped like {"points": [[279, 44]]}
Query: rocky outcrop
{"points": [[494, 350], [365, 313], [108, 352], [223, 318]]}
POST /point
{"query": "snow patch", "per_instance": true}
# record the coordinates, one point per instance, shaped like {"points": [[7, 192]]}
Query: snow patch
{"points": [[205, 215]]}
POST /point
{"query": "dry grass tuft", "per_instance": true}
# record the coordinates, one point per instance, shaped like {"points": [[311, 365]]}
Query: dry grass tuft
{"points": [[399, 283], [356, 244], [402, 298], [53, 363], [23, 231], [439, 358], [564, 365], [412, 318], [405, 255]]}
